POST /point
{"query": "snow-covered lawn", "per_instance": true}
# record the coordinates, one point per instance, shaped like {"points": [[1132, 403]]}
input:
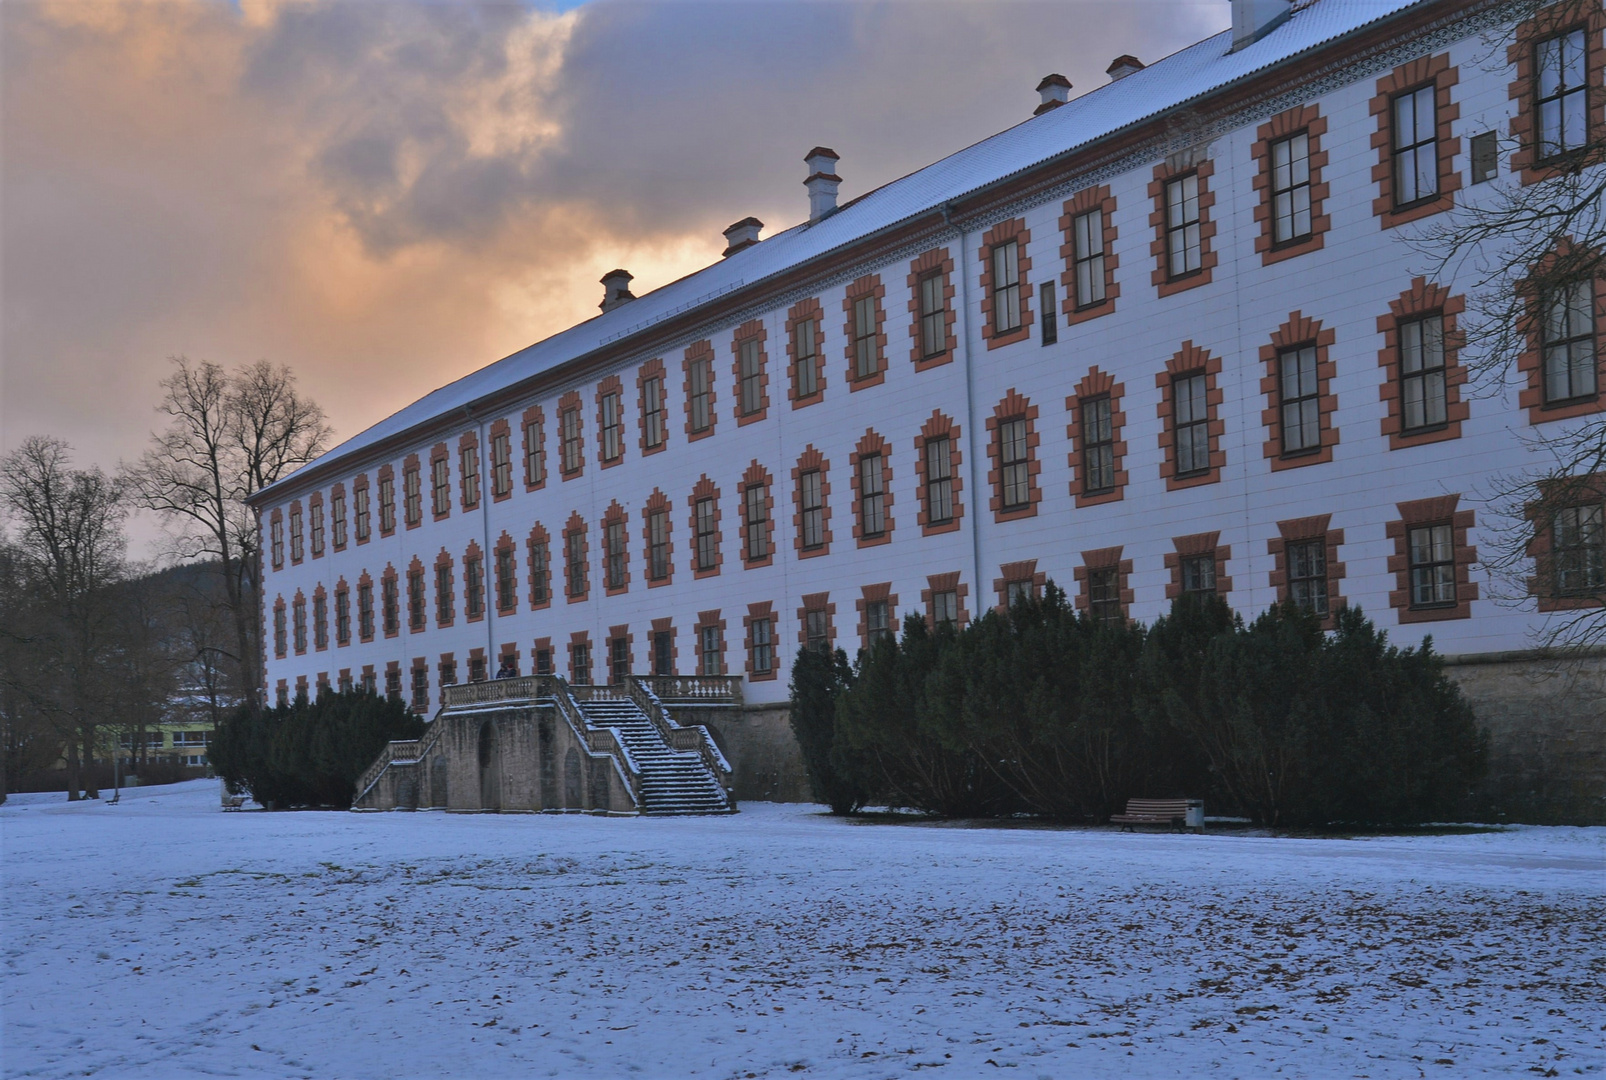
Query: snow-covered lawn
{"points": [[162, 938]]}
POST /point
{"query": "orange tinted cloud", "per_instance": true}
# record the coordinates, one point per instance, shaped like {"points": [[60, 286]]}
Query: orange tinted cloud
{"points": [[387, 196]]}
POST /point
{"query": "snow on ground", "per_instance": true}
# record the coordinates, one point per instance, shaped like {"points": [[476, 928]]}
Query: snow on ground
{"points": [[163, 938]]}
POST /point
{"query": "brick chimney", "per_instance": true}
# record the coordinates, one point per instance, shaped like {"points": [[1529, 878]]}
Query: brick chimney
{"points": [[1122, 66], [743, 234], [1254, 19], [1055, 90], [822, 182], [616, 289]]}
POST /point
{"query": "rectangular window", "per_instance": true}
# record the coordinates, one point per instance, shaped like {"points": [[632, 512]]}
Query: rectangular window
{"points": [[342, 617], [315, 511], [1198, 573], [369, 681], [393, 683], [1047, 305], [1301, 414], [279, 646], [1015, 466], [365, 611], [615, 539], [415, 600], [1184, 253], [575, 563], [443, 594], [337, 519], [1432, 551], [276, 542], [543, 661], [476, 668], [412, 497], [1569, 344], [387, 505], [1561, 95], [582, 663], [420, 688], [811, 498], [501, 466], [298, 624], [1019, 592], [296, 542], [1006, 287], [320, 622], [763, 647], [933, 316], [939, 480], [1098, 447], [707, 535], [805, 352], [1290, 189], [569, 430], [613, 428], [1416, 146], [1307, 575], [866, 346], [441, 486], [817, 627], [945, 608], [1485, 155], [507, 589], [618, 660], [652, 412], [713, 647], [702, 411], [473, 587], [1577, 551], [359, 513], [534, 453], [538, 572], [756, 511], [663, 652], [658, 545], [1104, 594], [750, 361], [877, 622], [1422, 388], [468, 466], [872, 498], [1192, 423], [1087, 235], [392, 606]]}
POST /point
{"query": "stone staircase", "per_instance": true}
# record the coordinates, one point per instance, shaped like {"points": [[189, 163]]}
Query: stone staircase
{"points": [[672, 781]]}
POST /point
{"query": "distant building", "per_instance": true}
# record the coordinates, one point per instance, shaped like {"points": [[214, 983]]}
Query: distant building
{"points": [[1158, 338]]}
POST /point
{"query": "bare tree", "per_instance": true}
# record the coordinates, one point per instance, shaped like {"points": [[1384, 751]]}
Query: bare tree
{"points": [[1531, 256], [229, 436], [69, 552]]}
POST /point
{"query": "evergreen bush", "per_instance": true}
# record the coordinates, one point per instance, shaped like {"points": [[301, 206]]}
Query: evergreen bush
{"points": [[308, 753], [1046, 710], [835, 776]]}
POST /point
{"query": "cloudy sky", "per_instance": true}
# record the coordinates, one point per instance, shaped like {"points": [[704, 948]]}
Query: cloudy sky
{"points": [[387, 195]]}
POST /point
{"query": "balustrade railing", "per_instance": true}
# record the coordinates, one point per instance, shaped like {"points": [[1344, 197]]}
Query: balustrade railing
{"points": [[519, 688], [714, 689]]}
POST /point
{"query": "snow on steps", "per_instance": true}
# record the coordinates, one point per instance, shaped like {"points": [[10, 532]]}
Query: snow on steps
{"points": [[672, 781]]}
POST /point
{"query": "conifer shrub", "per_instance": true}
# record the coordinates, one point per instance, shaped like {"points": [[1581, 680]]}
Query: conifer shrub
{"points": [[1045, 710], [836, 777], [308, 753]]}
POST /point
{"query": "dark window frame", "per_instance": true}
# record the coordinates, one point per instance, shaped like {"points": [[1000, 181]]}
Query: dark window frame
{"points": [[1400, 152], [1178, 223]]}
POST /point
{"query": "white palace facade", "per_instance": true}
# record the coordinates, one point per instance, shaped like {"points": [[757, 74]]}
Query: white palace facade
{"points": [[1168, 335]]}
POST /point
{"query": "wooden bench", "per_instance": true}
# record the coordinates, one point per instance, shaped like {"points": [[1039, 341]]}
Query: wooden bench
{"points": [[233, 802], [1179, 814]]}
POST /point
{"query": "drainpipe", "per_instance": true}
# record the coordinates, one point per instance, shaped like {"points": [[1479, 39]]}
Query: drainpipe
{"points": [[977, 496]]}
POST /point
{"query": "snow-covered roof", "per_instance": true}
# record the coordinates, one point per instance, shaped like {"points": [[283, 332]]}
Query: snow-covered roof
{"points": [[1184, 76]]}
